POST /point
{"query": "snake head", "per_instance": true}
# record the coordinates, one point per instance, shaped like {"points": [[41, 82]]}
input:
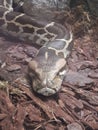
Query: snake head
{"points": [[47, 75], [47, 69]]}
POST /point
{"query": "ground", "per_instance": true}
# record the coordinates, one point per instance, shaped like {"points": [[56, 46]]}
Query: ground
{"points": [[75, 107]]}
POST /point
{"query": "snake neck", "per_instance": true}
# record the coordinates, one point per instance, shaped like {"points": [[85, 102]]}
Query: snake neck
{"points": [[28, 29]]}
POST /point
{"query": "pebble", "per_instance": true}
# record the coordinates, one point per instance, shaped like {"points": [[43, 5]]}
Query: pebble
{"points": [[74, 126]]}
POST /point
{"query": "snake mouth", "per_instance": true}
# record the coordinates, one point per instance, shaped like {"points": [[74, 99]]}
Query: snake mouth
{"points": [[43, 90], [46, 91]]}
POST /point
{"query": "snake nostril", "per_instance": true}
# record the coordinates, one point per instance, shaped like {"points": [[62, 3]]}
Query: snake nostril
{"points": [[47, 83], [44, 83]]}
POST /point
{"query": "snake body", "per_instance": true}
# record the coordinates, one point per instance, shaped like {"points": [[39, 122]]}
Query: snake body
{"points": [[47, 69]]}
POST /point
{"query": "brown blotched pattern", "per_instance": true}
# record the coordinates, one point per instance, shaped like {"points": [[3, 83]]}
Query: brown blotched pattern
{"points": [[47, 69]]}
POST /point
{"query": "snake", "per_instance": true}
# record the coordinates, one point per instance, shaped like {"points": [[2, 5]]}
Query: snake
{"points": [[48, 68]]}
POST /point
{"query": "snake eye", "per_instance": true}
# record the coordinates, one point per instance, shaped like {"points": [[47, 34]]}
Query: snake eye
{"points": [[32, 67], [33, 74], [62, 74]]}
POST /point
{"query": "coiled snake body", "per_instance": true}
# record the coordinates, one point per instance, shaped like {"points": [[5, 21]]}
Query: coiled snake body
{"points": [[47, 69]]}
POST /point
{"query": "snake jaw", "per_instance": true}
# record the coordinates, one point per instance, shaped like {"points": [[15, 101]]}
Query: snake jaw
{"points": [[47, 89]]}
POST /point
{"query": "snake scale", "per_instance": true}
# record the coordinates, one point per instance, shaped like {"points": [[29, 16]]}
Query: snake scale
{"points": [[47, 69]]}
